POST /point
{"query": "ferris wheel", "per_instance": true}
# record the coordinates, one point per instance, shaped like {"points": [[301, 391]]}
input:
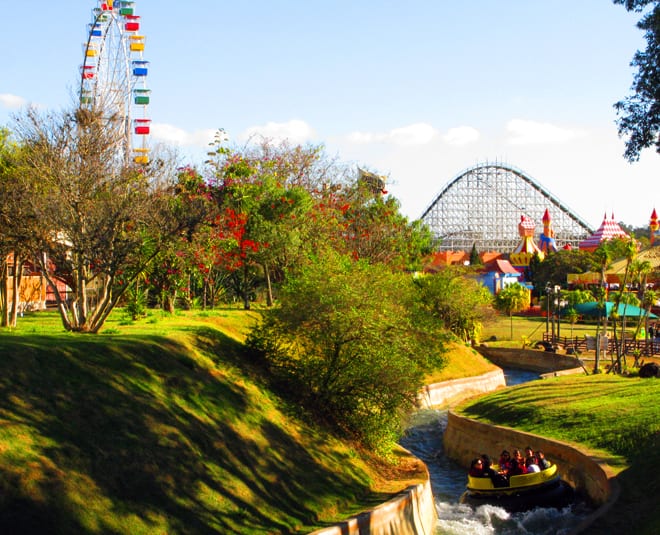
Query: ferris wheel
{"points": [[114, 73]]}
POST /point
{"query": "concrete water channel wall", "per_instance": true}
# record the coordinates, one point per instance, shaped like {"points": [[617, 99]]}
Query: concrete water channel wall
{"points": [[465, 439], [544, 362], [412, 512]]}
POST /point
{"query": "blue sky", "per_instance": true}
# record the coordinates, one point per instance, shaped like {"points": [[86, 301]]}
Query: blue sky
{"points": [[416, 90]]}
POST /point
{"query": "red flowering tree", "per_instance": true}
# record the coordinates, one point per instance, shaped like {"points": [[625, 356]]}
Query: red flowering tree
{"points": [[364, 222], [259, 213], [170, 274]]}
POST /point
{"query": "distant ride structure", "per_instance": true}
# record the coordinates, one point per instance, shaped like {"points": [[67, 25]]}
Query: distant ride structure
{"points": [[481, 207], [113, 77]]}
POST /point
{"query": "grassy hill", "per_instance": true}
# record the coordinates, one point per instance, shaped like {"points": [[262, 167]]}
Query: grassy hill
{"points": [[157, 427]]}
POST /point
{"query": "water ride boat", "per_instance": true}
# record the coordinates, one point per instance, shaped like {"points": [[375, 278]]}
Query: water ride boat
{"points": [[521, 492]]}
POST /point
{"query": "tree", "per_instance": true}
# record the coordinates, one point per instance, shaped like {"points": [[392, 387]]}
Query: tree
{"points": [[555, 267], [101, 218], [475, 259], [8, 216], [169, 276], [375, 230], [457, 301], [639, 114], [514, 298], [349, 343], [17, 229], [630, 252], [261, 200]]}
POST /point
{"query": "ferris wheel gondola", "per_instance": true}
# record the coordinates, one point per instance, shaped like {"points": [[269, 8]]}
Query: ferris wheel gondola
{"points": [[114, 73]]}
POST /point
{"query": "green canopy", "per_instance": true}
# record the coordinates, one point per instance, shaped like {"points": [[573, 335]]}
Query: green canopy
{"points": [[594, 308]]}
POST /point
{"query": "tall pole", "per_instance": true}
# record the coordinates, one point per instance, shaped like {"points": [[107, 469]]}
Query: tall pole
{"points": [[557, 303], [547, 311]]}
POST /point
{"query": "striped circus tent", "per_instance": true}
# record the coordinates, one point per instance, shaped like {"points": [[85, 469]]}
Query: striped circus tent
{"points": [[608, 230]]}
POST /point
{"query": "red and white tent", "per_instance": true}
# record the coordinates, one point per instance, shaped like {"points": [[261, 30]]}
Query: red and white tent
{"points": [[608, 230]]}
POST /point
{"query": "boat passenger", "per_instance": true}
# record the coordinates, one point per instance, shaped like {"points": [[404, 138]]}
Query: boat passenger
{"points": [[544, 464], [518, 464], [531, 461], [487, 464], [498, 478], [476, 468], [505, 462]]}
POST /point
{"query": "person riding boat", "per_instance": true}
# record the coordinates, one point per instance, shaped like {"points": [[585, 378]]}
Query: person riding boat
{"points": [[517, 464], [531, 460], [505, 462], [476, 468], [544, 464]]}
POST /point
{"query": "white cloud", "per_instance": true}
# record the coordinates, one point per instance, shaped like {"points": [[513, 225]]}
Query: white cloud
{"points": [[177, 136], [414, 134], [525, 132], [295, 131], [12, 102], [362, 138], [461, 135]]}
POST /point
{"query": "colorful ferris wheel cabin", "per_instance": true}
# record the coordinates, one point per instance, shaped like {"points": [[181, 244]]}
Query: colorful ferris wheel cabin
{"points": [[141, 156], [137, 43], [141, 96], [86, 97], [132, 23], [126, 8], [142, 126], [96, 30], [88, 72], [140, 67]]}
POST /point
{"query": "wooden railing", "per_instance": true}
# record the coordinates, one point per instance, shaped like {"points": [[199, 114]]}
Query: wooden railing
{"points": [[647, 348]]}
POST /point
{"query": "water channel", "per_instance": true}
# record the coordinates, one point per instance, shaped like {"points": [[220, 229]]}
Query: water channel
{"points": [[424, 439]]}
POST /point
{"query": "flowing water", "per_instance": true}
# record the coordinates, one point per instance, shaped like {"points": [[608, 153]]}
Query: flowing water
{"points": [[424, 439]]}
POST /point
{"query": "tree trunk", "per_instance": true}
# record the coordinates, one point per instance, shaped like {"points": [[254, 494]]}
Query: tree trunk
{"points": [[4, 295], [16, 289], [168, 302], [269, 286], [245, 289]]}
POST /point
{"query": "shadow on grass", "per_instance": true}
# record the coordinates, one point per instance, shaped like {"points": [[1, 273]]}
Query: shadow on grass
{"points": [[133, 435]]}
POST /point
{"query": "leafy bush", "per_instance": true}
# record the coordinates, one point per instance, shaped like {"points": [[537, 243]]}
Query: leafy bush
{"points": [[351, 343]]}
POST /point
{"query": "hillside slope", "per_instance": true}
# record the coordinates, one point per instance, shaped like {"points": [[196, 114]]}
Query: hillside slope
{"points": [[161, 429]]}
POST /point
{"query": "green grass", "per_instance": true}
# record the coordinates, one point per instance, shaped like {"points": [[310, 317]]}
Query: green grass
{"points": [[157, 427], [462, 362], [530, 328], [615, 417]]}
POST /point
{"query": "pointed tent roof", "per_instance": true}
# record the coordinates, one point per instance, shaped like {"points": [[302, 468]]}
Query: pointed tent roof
{"points": [[527, 248], [608, 230], [654, 225], [547, 237]]}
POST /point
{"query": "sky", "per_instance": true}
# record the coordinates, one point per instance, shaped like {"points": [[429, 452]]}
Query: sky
{"points": [[417, 91]]}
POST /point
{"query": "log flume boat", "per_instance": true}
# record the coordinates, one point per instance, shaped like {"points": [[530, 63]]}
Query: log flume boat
{"points": [[521, 492]]}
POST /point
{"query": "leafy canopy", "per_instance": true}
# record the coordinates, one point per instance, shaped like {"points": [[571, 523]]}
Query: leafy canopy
{"points": [[639, 113], [351, 343]]}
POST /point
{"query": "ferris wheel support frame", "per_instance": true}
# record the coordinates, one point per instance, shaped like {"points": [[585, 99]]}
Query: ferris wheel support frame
{"points": [[114, 73]]}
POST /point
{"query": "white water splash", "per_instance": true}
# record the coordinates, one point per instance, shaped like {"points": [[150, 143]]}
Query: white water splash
{"points": [[461, 519]]}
